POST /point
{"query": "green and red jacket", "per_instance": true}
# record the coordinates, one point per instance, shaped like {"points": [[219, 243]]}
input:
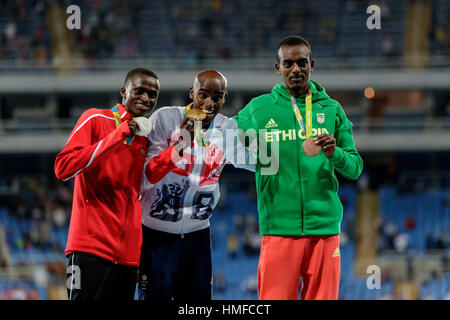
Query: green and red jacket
{"points": [[300, 198]]}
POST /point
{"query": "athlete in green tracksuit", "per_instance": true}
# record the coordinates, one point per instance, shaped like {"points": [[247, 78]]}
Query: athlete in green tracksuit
{"points": [[299, 198]]}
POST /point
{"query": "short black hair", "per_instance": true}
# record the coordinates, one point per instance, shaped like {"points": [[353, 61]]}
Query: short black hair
{"points": [[293, 40], [140, 70]]}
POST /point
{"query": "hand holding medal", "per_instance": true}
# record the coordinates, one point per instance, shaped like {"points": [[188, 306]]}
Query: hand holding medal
{"points": [[309, 146], [327, 143], [312, 146]]}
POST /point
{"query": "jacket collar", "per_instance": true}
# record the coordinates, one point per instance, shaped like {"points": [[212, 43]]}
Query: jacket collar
{"points": [[124, 114], [279, 91]]}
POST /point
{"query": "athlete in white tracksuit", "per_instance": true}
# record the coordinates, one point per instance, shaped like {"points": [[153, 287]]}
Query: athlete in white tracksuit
{"points": [[178, 196]]}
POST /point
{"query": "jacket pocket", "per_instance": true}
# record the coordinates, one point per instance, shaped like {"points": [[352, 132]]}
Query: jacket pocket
{"points": [[80, 220], [88, 210]]}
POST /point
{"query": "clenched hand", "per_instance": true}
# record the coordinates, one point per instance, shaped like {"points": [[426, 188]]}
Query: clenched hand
{"points": [[327, 142]]}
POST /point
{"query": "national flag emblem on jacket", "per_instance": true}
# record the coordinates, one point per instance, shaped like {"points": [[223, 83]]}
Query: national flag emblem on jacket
{"points": [[320, 118]]}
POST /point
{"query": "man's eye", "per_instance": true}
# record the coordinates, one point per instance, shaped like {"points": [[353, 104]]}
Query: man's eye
{"points": [[287, 64], [303, 63]]}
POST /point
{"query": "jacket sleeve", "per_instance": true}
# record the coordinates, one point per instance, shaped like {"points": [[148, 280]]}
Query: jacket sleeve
{"points": [[247, 129], [161, 157], [346, 158], [235, 152], [82, 152]]}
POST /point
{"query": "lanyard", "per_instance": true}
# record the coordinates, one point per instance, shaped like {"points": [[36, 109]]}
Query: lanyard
{"points": [[308, 130], [118, 119], [198, 130]]}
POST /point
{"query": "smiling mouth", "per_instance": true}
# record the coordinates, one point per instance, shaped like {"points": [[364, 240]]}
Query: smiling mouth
{"points": [[298, 78], [208, 112], [143, 106]]}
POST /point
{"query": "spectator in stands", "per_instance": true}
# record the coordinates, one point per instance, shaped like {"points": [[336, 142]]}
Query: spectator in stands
{"points": [[5, 258], [45, 235], [105, 154], [410, 223], [441, 242], [401, 241], [34, 233], [436, 243], [385, 11], [179, 195], [25, 35], [363, 182], [18, 293], [252, 242], [300, 228], [250, 284], [59, 217], [430, 243], [389, 231], [252, 238], [239, 223], [387, 46], [232, 245], [220, 283]]}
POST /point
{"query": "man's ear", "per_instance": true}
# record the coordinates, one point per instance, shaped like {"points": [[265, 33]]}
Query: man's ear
{"points": [[123, 92], [277, 68], [312, 65], [225, 96], [191, 93]]}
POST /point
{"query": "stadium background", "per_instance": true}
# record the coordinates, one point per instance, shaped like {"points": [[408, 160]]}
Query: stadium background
{"points": [[393, 83]]}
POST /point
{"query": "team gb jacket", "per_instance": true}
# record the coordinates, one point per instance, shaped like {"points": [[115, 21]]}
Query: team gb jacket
{"points": [[106, 212], [179, 194]]}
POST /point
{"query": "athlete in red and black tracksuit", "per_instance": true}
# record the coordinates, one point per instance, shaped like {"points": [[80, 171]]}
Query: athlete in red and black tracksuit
{"points": [[105, 233]]}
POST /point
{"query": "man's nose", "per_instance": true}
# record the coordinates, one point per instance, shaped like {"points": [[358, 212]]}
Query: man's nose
{"points": [[295, 67], [145, 97], [209, 103]]}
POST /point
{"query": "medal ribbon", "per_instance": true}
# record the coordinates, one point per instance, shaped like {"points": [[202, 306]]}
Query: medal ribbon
{"points": [[198, 129], [118, 119], [308, 104]]}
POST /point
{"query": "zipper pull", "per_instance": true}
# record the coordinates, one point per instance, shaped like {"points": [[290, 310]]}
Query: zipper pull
{"points": [[182, 236]]}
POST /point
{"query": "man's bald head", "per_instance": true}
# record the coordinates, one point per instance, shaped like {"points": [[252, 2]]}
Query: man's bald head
{"points": [[209, 92], [210, 75]]}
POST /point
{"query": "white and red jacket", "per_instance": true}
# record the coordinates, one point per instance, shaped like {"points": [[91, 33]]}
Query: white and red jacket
{"points": [[179, 194], [106, 212]]}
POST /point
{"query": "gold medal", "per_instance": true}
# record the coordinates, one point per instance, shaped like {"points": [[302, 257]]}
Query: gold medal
{"points": [[196, 114], [310, 148]]}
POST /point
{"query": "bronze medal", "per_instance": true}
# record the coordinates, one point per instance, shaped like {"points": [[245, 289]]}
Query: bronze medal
{"points": [[310, 148], [196, 114]]}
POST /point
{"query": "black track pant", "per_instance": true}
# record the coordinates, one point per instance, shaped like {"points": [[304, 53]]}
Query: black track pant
{"points": [[174, 266], [90, 277]]}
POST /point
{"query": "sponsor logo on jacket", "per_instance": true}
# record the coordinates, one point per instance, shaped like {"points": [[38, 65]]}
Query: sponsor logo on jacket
{"points": [[271, 124]]}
